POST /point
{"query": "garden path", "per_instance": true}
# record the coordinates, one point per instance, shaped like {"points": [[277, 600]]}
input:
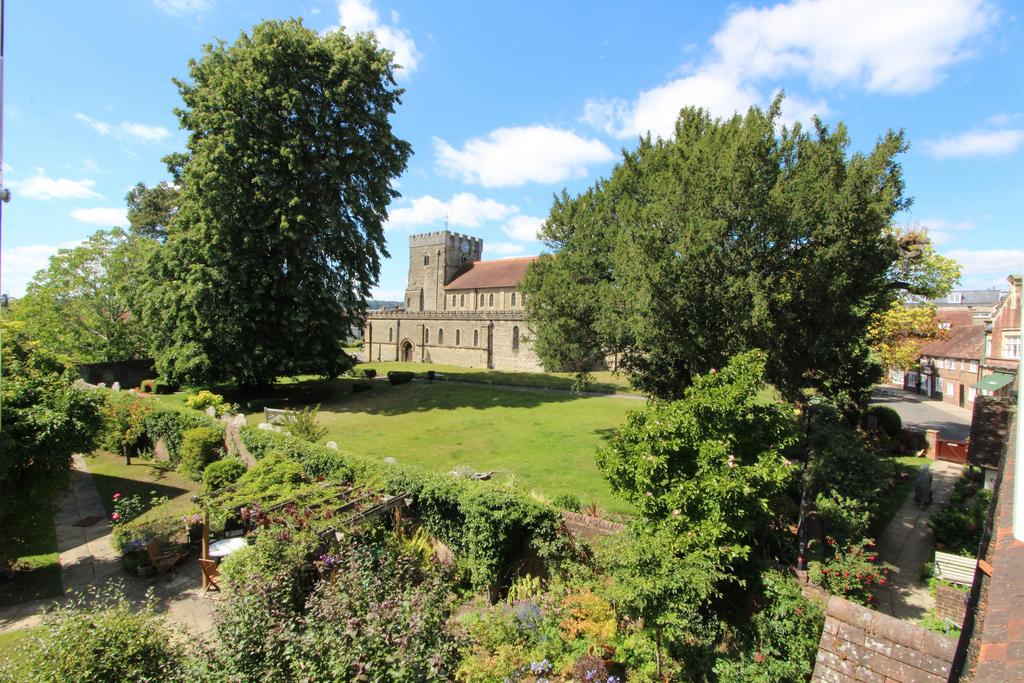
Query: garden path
{"points": [[89, 561], [907, 543]]}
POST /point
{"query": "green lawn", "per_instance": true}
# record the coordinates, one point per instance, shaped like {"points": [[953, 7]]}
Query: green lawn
{"points": [[32, 541], [604, 382], [545, 440], [145, 478]]}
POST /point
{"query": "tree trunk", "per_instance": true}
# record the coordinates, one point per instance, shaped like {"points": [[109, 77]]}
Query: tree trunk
{"points": [[657, 652], [127, 456]]}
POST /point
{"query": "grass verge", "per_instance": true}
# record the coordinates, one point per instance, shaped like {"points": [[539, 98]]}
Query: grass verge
{"points": [[32, 542], [9, 642], [146, 478], [890, 504]]}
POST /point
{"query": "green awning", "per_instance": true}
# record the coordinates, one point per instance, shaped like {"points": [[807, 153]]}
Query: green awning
{"points": [[993, 382]]}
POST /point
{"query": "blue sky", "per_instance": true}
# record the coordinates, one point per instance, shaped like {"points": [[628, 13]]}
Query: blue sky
{"points": [[508, 103]]}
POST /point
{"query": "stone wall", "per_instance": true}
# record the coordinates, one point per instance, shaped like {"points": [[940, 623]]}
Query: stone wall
{"points": [[129, 373], [859, 644]]}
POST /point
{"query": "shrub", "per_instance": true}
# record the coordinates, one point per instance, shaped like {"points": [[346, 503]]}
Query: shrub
{"points": [[370, 373], [199, 447], [164, 528], [844, 518], [959, 526], [169, 425], [126, 509], [850, 571], [361, 386], [303, 424], [125, 422], [222, 473], [147, 386], [206, 399], [399, 377], [888, 420], [162, 386], [566, 501], [97, 638], [273, 479]]}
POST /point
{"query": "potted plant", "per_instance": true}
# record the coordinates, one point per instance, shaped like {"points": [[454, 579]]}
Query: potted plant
{"points": [[193, 527]]}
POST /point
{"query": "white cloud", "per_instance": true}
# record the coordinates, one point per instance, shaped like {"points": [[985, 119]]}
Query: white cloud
{"points": [[503, 248], [523, 228], [977, 143], [463, 210], [515, 156], [830, 42], [101, 216], [359, 16], [387, 294], [21, 263], [942, 231], [1001, 119], [126, 129], [42, 187], [987, 267], [178, 8]]}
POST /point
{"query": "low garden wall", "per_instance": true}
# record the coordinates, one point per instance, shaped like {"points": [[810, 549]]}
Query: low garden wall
{"points": [[128, 373]]}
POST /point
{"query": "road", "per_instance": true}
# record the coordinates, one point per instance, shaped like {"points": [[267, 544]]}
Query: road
{"points": [[953, 423]]}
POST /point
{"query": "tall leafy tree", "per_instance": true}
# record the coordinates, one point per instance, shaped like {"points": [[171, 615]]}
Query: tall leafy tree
{"points": [[732, 234], [84, 305], [278, 235], [150, 209]]}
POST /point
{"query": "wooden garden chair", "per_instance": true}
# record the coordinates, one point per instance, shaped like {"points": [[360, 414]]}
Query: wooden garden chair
{"points": [[211, 573], [163, 560]]}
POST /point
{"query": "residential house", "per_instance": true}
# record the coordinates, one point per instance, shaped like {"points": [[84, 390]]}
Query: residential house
{"points": [[950, 367], [1001, 362]]}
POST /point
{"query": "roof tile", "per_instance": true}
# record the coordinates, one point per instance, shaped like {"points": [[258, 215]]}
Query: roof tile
{"points": [[498, 273]]}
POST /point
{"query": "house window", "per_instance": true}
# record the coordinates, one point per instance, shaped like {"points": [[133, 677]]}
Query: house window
{"points": [[513, 298], [391, 334], [426, 259], [458, 337], [974, 366], [955, 298], [1011, 346], [426, 335], [515, 338], [462, 300], [950, 388], [938, 385], [476, 338], [490, 301], [440, 336]]}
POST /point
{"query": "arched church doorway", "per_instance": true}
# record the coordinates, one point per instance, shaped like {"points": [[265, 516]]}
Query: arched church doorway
{"points": [[407, 351]]}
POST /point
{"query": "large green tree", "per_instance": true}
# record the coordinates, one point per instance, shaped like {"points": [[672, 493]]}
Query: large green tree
{"points": [[85, 304], [150, 209], [733, 234], [278, 237]]}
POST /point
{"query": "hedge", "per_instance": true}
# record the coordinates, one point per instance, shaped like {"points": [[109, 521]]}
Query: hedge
{"points": [[170, 425], [399, 377], [888, 419], [487, 527]]}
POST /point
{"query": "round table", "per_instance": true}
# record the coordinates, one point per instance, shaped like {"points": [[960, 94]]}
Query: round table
{"points": [[223, 548]]}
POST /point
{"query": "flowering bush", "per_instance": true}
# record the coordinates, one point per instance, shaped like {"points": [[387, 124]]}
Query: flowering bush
{"points": [[204, 399], [126, 508], [851, 571]]}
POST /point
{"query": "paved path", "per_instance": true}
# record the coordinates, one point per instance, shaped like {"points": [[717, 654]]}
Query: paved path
{"points": [[953, 423], [907, 543], [88, 560]]}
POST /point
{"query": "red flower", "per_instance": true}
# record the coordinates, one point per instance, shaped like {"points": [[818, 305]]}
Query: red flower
{"points": [[116, 496], [881, 582], [758, 657], [871, 598], [115, 516]]}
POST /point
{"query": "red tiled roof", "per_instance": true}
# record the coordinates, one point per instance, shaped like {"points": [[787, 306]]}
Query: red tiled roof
{"points": [[499, 273], [962, 342], [956, 317]]}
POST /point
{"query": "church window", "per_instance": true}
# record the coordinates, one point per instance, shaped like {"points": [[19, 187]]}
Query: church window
{"points": [[453, 300], [421, 298], [513, 298], [440, 336], [391, 334], [481, 299], [515, 338], [426, 335], [458, 337], [462, 300], [490, 300], [476, 338], [426, 259]]}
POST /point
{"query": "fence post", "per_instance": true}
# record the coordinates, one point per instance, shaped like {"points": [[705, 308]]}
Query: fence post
{"points": [[932, 437]]}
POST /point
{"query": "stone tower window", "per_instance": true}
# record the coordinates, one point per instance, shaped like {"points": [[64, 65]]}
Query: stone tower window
{"points": [[490, 300], [426, 335], [476, 338], [453, 300], [462, 300], [421, 298], [440, 335], [391, 334], [513, 298], [426, 259], [458, 337], [515, 338]]}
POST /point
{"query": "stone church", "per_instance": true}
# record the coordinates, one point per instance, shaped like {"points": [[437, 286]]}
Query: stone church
{"points": [[459, 310]]}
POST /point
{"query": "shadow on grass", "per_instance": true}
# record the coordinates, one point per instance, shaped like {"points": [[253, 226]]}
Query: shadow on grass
{"points": [[107, 485], [31, 541]]}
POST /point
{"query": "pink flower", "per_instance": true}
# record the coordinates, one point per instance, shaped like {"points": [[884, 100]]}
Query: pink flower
{"points": [[117, 496], [115, 516]]}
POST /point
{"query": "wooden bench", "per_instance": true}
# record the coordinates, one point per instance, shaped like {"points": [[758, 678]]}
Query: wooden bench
{"points": [[164, 559], [277, 416], [954, 568]]}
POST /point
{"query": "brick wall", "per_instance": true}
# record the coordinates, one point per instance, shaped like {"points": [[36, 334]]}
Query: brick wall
{"points": [[950, 603], [859, 644]]}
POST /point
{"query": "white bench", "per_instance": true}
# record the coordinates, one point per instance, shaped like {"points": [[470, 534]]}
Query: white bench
{"points": [[954, 568], [277, 415]]}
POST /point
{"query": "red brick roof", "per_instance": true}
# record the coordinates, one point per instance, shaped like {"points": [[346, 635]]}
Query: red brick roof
{"points": [[962, 342], [505, 272]]}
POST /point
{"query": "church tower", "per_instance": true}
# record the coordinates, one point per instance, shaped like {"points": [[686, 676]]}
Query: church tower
{"points": [[434, 259]]}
